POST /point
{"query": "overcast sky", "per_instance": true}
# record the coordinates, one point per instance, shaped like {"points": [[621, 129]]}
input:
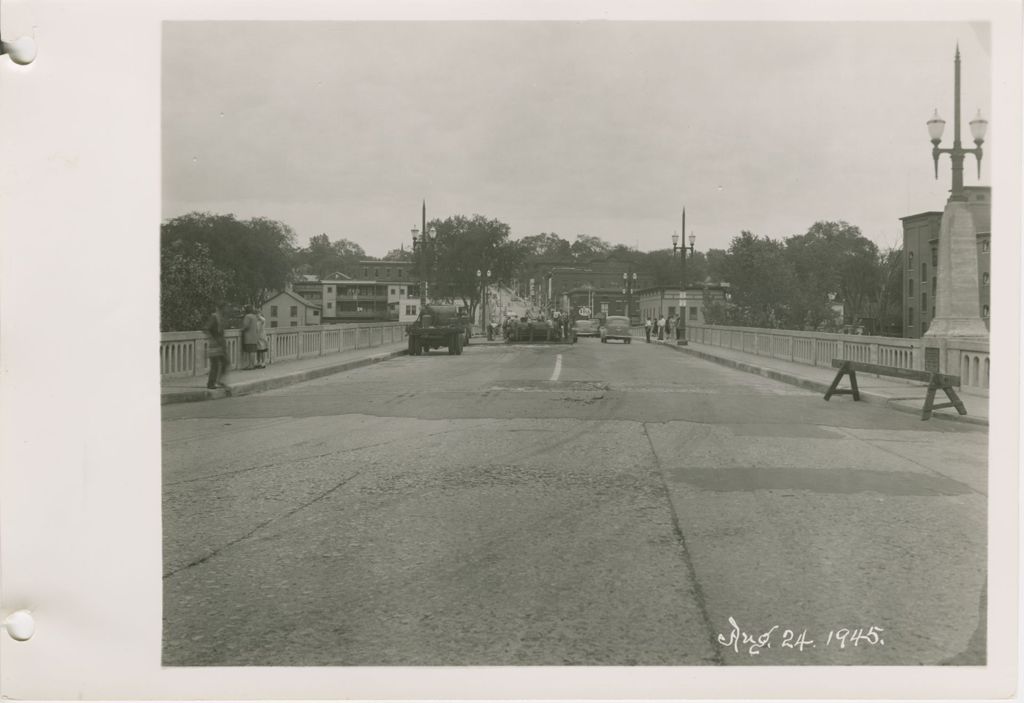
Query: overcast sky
{"points": [[602, 128]]}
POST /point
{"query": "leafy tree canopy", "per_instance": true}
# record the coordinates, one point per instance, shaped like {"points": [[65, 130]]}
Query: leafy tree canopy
{"points": [[465, 245], [323, 257], [191, 287], [254, 253]]}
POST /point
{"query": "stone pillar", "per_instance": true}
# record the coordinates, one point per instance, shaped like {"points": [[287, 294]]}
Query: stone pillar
{"points": [[957, 310]]}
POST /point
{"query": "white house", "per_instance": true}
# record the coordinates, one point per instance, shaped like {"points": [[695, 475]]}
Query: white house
{"points": [[289, 309]]}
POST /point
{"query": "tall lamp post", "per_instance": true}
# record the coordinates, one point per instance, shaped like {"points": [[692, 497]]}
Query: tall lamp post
{"points": [[681, 248], [482, 278], [628, 285], [957, 309], [423, 247], [936, 125]]}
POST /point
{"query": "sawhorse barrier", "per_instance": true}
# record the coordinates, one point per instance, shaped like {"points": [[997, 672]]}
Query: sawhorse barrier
{"points": [[934, 380]]}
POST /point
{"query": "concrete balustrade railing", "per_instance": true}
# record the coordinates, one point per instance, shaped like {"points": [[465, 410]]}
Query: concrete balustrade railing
{"points": [[184, 353], [968, 359]]}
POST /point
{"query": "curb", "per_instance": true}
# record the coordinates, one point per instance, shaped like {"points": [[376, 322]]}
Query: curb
{"points": [[817, 386], [266, 384]]}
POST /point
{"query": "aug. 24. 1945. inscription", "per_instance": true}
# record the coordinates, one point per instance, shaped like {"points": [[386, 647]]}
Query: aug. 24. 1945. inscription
{"points": [[738, 639]]}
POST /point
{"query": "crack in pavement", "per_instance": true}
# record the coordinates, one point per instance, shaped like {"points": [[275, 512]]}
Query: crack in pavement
{"points": [[250, 533], [698, 592]]}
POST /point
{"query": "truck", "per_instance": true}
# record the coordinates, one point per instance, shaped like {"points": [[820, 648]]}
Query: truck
{"points": [[438, 326]]}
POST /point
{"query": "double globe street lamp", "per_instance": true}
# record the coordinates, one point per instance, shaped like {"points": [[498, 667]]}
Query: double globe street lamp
{"points": [[936, 125], [681, 248], [421, 247]]}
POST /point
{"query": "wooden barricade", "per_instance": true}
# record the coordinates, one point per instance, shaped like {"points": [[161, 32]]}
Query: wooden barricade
{"points": [[935, 381]]}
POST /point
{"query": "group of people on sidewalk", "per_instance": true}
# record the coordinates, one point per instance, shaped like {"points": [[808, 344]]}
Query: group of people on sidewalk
{"points": [[661, 327], [254, 344]]}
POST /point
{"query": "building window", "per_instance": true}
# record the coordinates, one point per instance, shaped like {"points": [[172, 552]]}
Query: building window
{"points": [[273, 323], [273, 311], [366, 272], [387, 273], [935, 257], [984, 246], [924, 270], [294, 323], [910, 260], [316, 313], [330, 304], [671, 310], [984, 279], [401, 291], [935, 284], [910, 288], [330, 289], [924, 301], [392, 291], [295, 310], [910, 316], [410, 309], [693, 313], [376, 273], [984, 311]]}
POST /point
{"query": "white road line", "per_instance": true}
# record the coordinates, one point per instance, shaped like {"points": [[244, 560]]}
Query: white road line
{"points": [[558, 368]]}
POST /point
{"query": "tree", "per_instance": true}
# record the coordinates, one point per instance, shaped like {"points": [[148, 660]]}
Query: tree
{"points": [[323, 257], [588, 247], [256, 254], [886, 305], [463, 247], [761, 280], [716, 259], [190, 286], [546, 245], [833, 259]]}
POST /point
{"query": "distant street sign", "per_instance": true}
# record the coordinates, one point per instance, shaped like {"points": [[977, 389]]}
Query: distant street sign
{"points": [[585, 312]]}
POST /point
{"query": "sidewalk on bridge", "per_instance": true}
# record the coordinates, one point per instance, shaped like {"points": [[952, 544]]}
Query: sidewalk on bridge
{"points": [[185, 389], [906, 396]]}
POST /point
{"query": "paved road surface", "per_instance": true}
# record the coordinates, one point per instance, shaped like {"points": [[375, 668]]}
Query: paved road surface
{"points": [[590, 504]]}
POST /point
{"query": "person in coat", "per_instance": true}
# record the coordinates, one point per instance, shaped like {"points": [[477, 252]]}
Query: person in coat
{"points": [[216, 349], [647, 329], [262, 343], [250, 337]]}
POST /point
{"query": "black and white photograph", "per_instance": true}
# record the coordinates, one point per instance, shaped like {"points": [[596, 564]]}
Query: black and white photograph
{"points": [[398, 442], [403, 415]]}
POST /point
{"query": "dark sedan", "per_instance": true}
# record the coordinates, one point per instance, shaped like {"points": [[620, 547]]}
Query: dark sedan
{"points": [[587, 328], [616, 327]]}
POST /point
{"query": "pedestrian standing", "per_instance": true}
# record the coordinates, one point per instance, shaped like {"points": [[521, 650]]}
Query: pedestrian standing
{"points": [[262, 343], [661, 328], [250, 337], [647, 328], [216, 349]]}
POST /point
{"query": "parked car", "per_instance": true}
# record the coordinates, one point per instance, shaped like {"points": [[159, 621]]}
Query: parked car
{"points": [[587, 328], [616, 327]]}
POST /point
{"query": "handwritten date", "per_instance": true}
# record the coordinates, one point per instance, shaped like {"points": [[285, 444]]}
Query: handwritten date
{"points": [[738, 639]]}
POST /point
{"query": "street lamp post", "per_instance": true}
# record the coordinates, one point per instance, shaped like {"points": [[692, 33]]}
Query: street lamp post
{"points": [[628, 285], [423, 247], [936, 124], [482, 278], [681, 248], [957, 310]]}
